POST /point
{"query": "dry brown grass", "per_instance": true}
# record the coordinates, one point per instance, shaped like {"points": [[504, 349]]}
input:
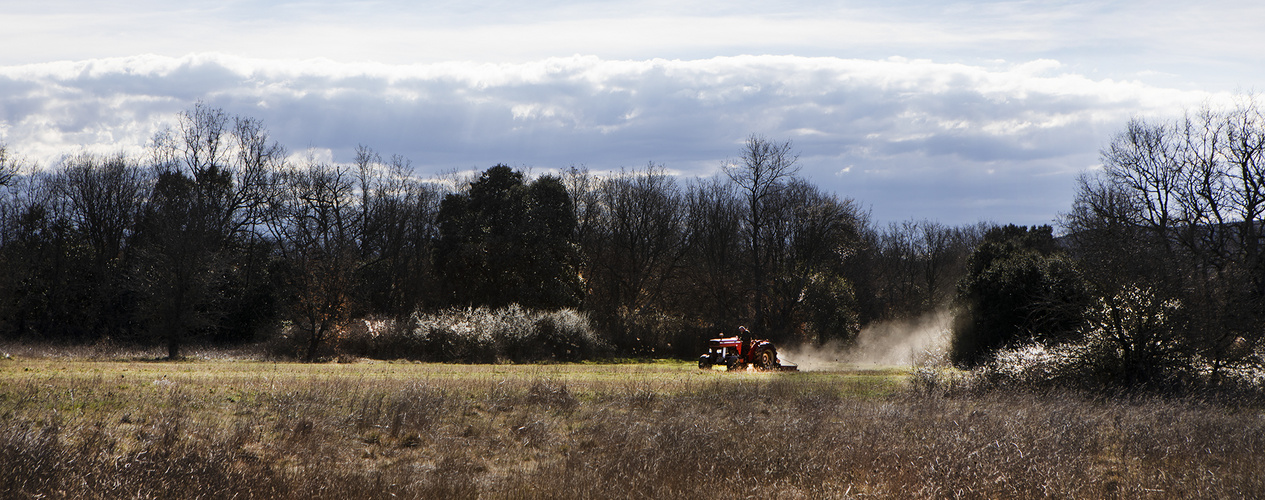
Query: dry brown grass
{"points": [[221, 429]]}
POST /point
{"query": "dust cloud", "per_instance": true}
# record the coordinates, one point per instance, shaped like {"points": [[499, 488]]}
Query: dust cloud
{"points": [[916, 341]]}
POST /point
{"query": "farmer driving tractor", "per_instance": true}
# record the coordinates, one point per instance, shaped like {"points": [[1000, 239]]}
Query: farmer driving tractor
{"points": [[742, 351]]}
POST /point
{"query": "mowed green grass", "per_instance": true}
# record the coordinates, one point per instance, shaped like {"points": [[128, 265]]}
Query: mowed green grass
{"points": [[116, 384], [671, 372], [220, 394], [212, 428]]}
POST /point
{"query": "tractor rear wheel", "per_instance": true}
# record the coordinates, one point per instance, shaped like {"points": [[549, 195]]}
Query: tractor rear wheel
{"points": [[766, 359]]}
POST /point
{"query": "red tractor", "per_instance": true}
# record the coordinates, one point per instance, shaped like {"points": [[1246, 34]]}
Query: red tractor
{"points": [[738, 354]]}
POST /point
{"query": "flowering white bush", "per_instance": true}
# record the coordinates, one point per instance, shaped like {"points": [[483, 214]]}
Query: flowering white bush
{"points": [[481, 335]]}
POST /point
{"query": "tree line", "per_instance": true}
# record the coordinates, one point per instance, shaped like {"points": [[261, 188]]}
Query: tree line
{"points": [[1159, 278], [217, 235]]}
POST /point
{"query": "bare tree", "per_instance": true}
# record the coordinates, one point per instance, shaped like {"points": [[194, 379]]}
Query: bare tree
{"points": [[398, 227], [213, 179], [9, 165], [714, 268], [1139, 325], [919, 264], [179, 262], [1143, 159], [315, 224], [900, 265], [1244, 153], [199, 142], [105, 195], [639, 243], [808, 236], [1195, 190], [762, 170], [583, 186], [39, 296]]}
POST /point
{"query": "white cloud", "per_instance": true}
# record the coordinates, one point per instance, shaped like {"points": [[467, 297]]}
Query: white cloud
{"points": [[1211, 44], [922, 97], [927, 127]]}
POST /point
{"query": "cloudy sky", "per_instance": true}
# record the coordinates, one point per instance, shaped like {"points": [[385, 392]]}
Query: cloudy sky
{"points": [[950, 111]]}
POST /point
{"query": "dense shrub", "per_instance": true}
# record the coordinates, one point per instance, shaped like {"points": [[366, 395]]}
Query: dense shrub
{"points": [[478, 335], [1019, 288], [655, 334], [830, 305], [1098, 362]]}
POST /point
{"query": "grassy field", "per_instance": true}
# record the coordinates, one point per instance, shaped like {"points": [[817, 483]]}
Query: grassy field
{"points": [[371, 429]]}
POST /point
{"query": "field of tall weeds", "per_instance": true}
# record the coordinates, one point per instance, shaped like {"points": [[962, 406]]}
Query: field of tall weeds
{"points": [[223, 429]]}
